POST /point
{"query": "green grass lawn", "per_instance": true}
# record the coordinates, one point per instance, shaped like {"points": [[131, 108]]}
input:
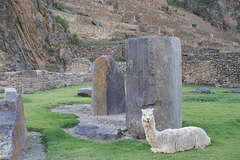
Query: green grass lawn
{"points": [[216, 113]]}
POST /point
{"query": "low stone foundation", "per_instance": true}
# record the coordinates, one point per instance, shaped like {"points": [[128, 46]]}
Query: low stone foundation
{"points": [[30, 81]]}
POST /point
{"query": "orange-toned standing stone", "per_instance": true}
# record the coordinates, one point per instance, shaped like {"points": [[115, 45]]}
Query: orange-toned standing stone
{"points": [[108, 91]]}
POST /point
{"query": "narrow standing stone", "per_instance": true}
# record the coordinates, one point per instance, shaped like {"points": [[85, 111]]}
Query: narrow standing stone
{"points": [[108, 91], [153, 81]]}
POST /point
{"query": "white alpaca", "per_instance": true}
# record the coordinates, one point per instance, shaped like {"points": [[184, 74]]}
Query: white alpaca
{"points": [[172, 140]]}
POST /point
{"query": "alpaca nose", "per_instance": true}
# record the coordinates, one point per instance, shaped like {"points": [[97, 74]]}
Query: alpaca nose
{"points": [[148, 119]]}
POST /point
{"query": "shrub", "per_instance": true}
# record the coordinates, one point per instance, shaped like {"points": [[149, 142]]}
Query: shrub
{"points": [[63, 22]]}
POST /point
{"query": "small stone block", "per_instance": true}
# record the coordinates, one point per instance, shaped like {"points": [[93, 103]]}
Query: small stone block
{"points": [[9, 91], [85, 92]]}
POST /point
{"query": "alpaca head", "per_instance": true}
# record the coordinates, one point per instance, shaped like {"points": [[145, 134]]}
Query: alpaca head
{"points": [[147, 116]]}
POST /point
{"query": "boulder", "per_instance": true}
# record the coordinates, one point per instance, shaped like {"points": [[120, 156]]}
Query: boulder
{"points": [[202, 90], [108, 90], [154, 80], [97, 23], [13, 131], [85, 92], [9, 91]]}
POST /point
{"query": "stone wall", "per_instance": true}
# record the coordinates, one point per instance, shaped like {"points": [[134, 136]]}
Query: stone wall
{"points": [[217, 69], [92, 52], [30, 81]]}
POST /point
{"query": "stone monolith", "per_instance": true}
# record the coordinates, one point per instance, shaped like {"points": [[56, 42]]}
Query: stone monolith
{"points": [[153, 81], [108, 91]]}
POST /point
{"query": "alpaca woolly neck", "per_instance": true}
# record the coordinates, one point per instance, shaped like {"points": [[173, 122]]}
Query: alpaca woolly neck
{"points": [[151, 133]]}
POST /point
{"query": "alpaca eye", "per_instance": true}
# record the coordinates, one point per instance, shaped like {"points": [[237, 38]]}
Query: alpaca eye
{"points": [[143, 114]]}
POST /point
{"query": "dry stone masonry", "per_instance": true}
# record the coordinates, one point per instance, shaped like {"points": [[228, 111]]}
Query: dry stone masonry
{"points": [[108, 91], [30, 81], [13, 131], [153, 81]]}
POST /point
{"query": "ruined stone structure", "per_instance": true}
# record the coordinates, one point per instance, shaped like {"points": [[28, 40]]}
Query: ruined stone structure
{"points": [[30, 81], [13, 132], [108, 91], [92, 52], [153, 81], [216, 69], [79, 66]]}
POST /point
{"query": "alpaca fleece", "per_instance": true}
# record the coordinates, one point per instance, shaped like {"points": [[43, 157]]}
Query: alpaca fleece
{"points": [[172, 140]]}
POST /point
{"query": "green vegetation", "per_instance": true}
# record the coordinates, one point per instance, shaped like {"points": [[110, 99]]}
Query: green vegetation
{"points": [[218, 114], [60, 7], [63, 22], [75, 39], [179, 13], [82, 14], [121, 59]]}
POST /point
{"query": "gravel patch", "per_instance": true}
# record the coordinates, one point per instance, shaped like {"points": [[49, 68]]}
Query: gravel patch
{"points": [[83, 111], [33, 148]]}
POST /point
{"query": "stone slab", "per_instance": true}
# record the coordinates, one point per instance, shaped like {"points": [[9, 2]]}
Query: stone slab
{"points": [[95, 132], [10, 91], [85, 92], [234, 91], [108, 90], [13, 131], [153, 81]]}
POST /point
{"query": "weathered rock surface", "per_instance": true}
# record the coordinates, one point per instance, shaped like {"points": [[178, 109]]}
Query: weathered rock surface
{"points": [[202, 90], [85, 92], [13, 131], [97, 23], [153, 81], [30, 38], [234, 91], [108, 91], [9, 91], [95, 132]]}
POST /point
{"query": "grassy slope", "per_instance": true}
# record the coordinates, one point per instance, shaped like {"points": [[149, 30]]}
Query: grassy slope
{"points": [[215, 113]]}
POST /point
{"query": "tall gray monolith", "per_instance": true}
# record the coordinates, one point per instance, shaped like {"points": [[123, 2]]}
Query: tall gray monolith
{"points": [[154, 80], [13, 132], [108, 91]]}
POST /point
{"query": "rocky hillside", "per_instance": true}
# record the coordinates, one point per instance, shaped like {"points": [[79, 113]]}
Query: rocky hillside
{"points": [[225, 15], [110, 20], [38, 34], [30, 38]]}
